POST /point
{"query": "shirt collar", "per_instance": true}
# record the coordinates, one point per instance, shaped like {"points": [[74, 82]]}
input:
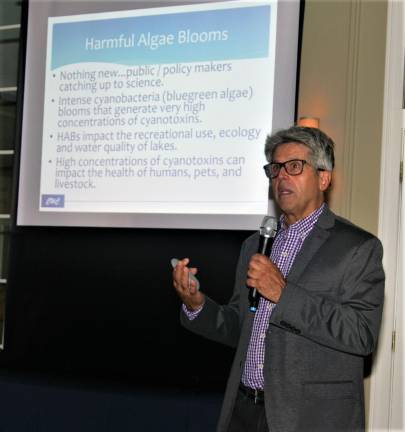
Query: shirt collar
{"points": [[303, 226]]}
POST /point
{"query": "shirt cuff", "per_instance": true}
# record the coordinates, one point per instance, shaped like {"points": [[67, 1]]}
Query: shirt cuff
{"points": [[191, 314]]}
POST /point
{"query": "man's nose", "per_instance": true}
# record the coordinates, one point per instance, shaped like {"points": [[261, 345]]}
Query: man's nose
{"points": [[283, 172]]}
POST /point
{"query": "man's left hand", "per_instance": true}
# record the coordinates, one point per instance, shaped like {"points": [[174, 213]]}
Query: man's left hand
{"points": [[265, 276]]}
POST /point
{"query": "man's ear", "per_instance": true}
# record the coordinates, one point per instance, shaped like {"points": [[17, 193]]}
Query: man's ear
{"points": [[325, 178]]}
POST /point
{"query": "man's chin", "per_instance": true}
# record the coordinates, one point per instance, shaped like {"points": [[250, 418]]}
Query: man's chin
{"points": [[285, 202]]}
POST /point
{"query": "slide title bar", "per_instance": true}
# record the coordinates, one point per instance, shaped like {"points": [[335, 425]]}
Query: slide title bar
{"points": [[238, 33]]}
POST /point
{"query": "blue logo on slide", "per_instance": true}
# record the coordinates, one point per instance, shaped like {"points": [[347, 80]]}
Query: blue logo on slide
{"points": [[57, 201]]}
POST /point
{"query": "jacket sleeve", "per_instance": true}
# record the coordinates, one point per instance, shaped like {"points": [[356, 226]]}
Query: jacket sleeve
{"points": [[222, 323], [345, 316]]}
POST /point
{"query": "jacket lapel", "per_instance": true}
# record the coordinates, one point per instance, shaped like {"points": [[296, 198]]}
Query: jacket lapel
{"points": [[317, 237]]}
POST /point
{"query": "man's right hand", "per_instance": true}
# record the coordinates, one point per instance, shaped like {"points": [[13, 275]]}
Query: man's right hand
{"points": [[187, 288]]}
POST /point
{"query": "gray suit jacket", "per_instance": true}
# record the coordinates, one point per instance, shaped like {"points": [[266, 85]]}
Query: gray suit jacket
{"points": [[326, 321]]}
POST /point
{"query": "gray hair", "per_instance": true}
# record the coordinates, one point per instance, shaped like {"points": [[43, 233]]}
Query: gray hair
{"points": [[320, 145]]}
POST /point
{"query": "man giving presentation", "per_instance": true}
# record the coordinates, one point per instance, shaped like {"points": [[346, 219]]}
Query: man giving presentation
{"points": [[299, 358]]}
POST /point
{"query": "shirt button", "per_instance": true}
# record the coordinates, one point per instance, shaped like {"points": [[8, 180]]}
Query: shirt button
{"points": [[262, 335], [284, 254], [260, 366]]}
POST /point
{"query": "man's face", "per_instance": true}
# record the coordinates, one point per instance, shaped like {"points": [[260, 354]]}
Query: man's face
{"points": [[298, 196]]}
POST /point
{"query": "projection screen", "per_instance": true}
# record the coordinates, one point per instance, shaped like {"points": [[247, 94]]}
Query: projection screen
{"points": [[153, 114]]}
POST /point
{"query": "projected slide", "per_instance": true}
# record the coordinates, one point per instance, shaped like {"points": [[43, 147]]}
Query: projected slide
{"points": [[163, 110]]}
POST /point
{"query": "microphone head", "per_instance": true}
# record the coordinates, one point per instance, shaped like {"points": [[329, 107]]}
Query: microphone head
{"points": [[268, 228]]}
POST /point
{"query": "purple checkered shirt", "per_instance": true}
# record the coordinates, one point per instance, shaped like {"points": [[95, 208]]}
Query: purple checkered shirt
{"points": [[287, 244]]}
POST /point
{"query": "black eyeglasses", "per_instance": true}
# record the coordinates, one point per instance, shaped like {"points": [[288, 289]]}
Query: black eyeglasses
{"points": [[293, 167]]}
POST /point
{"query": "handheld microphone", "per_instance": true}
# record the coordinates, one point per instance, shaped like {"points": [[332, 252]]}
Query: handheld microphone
{"points": [[268, 231]]}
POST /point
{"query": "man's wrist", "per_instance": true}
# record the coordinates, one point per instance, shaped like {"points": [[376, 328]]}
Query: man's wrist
{"points": [[192, 313]]}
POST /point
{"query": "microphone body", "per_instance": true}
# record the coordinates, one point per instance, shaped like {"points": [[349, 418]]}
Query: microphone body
{"points": [[268, 231]]}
